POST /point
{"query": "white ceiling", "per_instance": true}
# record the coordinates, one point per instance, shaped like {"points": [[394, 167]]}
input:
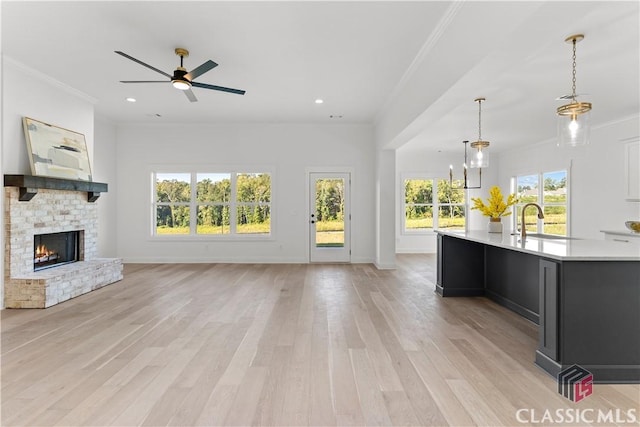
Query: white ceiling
{"points": [[411, 68]]}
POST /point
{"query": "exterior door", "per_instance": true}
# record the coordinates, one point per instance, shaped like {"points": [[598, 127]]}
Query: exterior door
{"points": [[329, 217]]}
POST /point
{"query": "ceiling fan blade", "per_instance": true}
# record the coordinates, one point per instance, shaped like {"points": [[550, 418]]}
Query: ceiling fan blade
{"points": [[220, 88], [190, 95], [144, 81], [142, 63], [200, 70]]}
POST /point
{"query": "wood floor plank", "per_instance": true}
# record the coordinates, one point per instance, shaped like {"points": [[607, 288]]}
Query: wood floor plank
{"points": [[369, 392], [321, 408], [452, 409], [272, 400], [478, 408], [138, 410], [277, 345], [218, 406], [245, 404], [295, 411], [345, 394], [377, 352], [399, 408]]}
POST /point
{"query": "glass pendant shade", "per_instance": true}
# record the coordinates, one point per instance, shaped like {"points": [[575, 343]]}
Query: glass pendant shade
{"points": [[574, 122], [574, 129], [479, 155]]}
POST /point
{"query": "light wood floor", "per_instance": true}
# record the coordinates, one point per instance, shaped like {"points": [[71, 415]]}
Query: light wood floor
{"points": [[238, 344]]}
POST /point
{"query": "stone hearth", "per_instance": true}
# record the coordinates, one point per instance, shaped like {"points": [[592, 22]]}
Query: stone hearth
{"points": [[52, 211]]}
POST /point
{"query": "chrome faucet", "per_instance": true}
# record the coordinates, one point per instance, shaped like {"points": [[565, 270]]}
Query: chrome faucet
{"points": [[523, 228]]}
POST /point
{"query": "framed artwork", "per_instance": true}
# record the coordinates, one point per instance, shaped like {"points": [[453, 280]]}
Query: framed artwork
{"points": [[56, 152]]}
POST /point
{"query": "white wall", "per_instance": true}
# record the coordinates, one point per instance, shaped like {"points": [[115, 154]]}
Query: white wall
{"points": [[41, 98], [1, 174], [289, 149], [385, 189], [596, 176], [105, 170], [432, 164]]}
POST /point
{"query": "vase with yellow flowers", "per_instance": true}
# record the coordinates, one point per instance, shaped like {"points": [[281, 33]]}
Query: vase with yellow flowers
{"points": [[495, 208]]}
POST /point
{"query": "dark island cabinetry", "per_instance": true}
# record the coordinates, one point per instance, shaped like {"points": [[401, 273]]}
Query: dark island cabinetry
{"points": [[585, 301]]}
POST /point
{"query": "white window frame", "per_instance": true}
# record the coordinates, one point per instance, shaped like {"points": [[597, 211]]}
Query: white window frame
{"points": [[194, 203], [435, 205], [540, 175]]}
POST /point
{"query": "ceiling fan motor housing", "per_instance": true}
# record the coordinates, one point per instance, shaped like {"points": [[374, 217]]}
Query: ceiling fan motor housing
{"points": [[179, 74], [179, 77]]}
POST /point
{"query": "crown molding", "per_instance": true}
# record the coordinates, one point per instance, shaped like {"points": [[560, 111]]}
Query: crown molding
{"points": [[48, 79]]}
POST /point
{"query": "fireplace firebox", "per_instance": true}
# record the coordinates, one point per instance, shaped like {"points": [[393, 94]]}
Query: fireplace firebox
{"points": [[55, 249]]}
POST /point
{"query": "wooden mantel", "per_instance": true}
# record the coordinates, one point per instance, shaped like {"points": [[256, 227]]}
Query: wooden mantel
{"points": [[30, 184]]}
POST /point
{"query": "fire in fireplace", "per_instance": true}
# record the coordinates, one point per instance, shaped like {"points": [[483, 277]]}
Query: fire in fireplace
{"points": [[52, 250]]}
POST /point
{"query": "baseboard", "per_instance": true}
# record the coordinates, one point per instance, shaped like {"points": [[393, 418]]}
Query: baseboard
{"points": [[416, 251], [203, 260]]}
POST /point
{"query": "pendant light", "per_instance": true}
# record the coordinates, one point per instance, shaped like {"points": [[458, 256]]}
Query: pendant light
{"points": [[574, 118], [479, 158]]}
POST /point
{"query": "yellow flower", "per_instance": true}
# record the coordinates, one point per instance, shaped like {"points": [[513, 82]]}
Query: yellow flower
{"points": [[496, 207]]}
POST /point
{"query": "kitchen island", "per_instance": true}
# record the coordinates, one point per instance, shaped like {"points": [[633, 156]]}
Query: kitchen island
{"points": [[583, 294]]}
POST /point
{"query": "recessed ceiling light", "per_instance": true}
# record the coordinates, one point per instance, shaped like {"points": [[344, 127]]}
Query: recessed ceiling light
{"points": [[131, 99], [319, 101]]}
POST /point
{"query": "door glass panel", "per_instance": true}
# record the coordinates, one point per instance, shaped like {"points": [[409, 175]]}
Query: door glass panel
{"points": [[330, 213]]}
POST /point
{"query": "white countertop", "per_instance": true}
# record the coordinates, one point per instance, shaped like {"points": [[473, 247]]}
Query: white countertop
{"points": [[560, 249], [621, 232]]}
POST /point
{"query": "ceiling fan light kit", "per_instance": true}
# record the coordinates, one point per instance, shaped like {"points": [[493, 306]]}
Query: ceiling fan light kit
{"points": [[574, 118], [181, 78]]}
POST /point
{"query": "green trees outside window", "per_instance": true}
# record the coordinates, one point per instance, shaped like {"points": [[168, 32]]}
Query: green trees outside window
{"points": [[173, 197], [424, 197], [212, 203]]}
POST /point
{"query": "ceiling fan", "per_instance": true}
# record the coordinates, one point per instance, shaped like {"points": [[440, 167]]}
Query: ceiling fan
{"points": [[181, 79]]}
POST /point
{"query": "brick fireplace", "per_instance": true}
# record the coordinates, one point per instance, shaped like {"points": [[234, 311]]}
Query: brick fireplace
{"points": [[33, 211]]}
